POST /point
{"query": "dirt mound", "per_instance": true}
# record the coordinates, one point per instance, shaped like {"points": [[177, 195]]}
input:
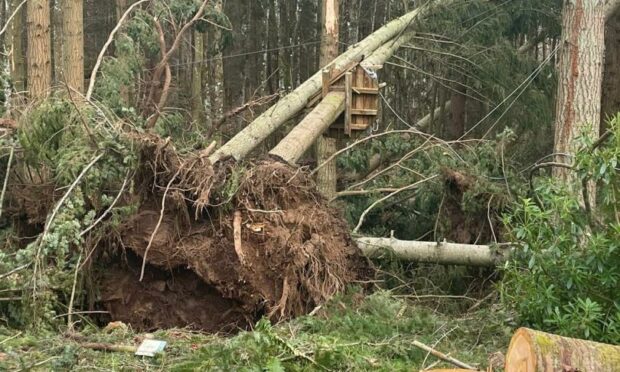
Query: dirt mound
{"points": [[265, 244]]}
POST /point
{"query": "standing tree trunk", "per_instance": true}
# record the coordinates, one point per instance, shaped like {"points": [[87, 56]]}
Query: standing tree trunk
{"points": [[611, 79], [580, 75], [456, 129], [18, 70], [39, 48], [327, 178], [197, 67], [217, 84], [73, 42]]}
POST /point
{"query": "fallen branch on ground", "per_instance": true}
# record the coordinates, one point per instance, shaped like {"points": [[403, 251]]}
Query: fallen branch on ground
{"points": [[432, 252], [443, 356]]}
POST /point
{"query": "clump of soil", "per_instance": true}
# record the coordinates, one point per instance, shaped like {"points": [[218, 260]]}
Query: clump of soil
{"points": [[470, 226], [237, 243]]}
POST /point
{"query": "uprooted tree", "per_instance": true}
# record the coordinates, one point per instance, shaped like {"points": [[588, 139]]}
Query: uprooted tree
{"points": [[175, 233]]}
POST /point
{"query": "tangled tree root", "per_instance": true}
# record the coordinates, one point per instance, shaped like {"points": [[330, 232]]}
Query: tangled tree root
{"points": [[265, 242]]}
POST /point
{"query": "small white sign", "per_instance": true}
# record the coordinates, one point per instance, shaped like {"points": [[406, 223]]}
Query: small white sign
{"points": [[151, 347]]}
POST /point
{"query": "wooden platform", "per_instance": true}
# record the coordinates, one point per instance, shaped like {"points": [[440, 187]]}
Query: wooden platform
{"points": [[362, 98]]}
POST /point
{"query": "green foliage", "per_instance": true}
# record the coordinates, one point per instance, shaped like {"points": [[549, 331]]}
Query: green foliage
{"points": [[472, 47], [413, 214], [117, 86], [566, 272], [58, 143], [351, 332]]}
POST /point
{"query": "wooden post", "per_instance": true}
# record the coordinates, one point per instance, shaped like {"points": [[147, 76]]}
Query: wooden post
{"points": [[532, 350], [326, 73], [348, 90]]}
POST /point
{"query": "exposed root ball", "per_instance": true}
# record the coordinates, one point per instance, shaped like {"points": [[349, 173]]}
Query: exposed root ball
{"points": [[275, 249]]}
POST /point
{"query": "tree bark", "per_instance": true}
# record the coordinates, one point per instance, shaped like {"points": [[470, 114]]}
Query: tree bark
{"points": [[18, 69], [257, 131], [39, 48], [433, 252], [197, 67], [299, 140], [580, 75], [73, 42], [611, 78], [327, 177], [457, 106], [532, 350], [217, 84]]}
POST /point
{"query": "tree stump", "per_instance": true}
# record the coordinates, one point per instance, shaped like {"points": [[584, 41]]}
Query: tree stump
{"points": [[538, 351]]}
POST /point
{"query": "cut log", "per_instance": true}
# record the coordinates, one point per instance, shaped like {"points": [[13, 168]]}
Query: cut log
{"points": [[532, 350], [433, 252], [257, 131]]}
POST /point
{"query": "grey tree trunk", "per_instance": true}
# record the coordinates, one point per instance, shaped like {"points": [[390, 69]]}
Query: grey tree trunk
{"points": [[433, 252]]}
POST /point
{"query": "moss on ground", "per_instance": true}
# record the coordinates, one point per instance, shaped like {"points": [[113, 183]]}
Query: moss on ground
{"points": [[353, 332]]}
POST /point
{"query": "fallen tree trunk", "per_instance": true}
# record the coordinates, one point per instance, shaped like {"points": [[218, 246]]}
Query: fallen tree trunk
{"points": [[376, 60], [299, 140], [432, 252], [257, 131], [532, 350]]}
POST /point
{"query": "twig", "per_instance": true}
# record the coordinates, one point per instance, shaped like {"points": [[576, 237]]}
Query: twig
{"points": [[82, 312], [6, 178], [108, 347], [490, 220], [104, 214], [29, 368], [93, 75], [361, 192], [8, 21], [408, 187], [480, 302], [70, 313], [443, 356], [437, 343], [161, 217], [360, 141], [10, 338], [2, 276]]}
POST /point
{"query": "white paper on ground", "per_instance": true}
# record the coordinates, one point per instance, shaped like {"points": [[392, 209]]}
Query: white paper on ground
{"points": [[150, 347]]}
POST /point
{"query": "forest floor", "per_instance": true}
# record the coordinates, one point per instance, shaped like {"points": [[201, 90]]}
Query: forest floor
{"points": [[355, 331]]}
